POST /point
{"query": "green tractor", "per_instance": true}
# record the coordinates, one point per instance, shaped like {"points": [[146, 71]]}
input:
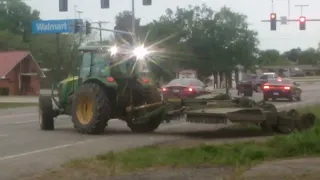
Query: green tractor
{"points": [[109, 85]]}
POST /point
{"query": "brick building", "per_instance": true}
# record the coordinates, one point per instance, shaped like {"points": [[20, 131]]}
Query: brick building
{"points": [[20, 74]]}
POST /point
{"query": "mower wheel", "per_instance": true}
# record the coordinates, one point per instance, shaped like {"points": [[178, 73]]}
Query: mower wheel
{"points": [[149, 96], [90, 109], [46, 113]]}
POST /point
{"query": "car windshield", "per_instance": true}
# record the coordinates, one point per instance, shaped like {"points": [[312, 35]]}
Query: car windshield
{"points": [[185, 82], [270, 76]]}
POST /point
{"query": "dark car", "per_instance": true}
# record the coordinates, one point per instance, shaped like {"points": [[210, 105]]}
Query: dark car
{"points": [[183, 88], [254, 81], [281, 88]]}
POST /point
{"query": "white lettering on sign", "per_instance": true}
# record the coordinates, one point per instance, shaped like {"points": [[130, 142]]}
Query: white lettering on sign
{"points": [[52, 27]]}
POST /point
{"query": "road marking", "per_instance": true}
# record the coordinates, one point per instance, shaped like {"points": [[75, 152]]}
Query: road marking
{"points": [[18, 115], [45, 150], [23, 122]]}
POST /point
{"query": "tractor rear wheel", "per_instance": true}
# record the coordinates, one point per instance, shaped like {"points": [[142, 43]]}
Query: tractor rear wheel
{"points": [[46, 113], [90, 109], [148, 96]]}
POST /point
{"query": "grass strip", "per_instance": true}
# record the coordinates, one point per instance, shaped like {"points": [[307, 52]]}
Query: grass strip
{"points": [[297, 144]]}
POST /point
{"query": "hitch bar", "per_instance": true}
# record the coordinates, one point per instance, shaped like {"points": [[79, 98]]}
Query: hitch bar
{"points": [[131, 108]]}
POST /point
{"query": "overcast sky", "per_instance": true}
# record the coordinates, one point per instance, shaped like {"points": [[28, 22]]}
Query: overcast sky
{"points": [[286, 37]]}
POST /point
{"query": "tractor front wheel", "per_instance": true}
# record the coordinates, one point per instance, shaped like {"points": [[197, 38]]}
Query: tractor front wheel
{"points": [[148, 96], [46, 113], [90, 109]]}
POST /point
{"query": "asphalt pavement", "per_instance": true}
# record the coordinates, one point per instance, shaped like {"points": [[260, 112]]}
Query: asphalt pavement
{"points": [[25, 150]]}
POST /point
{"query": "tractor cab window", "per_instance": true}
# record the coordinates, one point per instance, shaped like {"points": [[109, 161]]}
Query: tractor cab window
{"points": [[100, 64], [85, 65]]}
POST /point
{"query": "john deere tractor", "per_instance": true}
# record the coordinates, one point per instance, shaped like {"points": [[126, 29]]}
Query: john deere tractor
{"points": [[109, 85]]}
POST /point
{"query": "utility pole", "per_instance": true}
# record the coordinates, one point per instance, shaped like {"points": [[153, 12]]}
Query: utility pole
{"points": [[75, 11], [79, 17], [79, 14], [133, 18], [301, 7], [100, 26], [289, 4]]}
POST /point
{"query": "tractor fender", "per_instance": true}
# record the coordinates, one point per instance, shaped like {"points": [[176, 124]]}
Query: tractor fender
{"points": [[102, 81]]}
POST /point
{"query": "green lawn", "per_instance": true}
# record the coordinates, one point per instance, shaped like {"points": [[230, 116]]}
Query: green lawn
{"points": [[242, 153]]}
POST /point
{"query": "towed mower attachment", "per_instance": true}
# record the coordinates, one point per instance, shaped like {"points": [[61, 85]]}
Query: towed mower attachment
{"points": [[241, 110]]}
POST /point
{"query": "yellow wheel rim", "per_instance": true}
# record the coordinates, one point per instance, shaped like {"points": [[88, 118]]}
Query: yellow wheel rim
{"points": [[85, 109]]}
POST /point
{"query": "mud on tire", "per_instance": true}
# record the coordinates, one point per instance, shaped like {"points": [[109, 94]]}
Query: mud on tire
{"points": [[90, 109], [46, 113], [150, 95]]}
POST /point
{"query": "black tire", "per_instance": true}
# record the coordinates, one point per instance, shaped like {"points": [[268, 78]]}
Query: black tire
{"points": [[298, 98], [291, 125], [149, 96], [306, 121], [46, 113], [94, 96]]}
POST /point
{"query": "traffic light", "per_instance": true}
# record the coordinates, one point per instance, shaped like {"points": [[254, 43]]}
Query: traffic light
{"points": [[105, 4], [273, 21], [88, 27], [63, 5], [146, 2], [302, 23], [77, 26]]}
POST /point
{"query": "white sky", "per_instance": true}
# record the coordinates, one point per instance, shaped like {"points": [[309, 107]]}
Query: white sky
{"points": [[285, 38]]}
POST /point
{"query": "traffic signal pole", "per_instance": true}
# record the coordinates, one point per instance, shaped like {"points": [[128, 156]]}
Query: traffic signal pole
{"points": [[100, 26], [301, 8], [302, 19]]}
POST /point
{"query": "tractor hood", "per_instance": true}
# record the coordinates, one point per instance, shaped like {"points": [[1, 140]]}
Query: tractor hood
{"points": [[72, 78]]}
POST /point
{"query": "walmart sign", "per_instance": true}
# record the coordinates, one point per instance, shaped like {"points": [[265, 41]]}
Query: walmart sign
{"points": [[53, 26]]}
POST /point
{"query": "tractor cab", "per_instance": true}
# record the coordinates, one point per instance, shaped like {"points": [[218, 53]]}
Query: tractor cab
{"points": [[112, 63]]}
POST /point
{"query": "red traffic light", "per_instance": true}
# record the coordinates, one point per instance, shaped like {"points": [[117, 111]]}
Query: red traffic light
{"points": [[302, 19], [273, 16]]}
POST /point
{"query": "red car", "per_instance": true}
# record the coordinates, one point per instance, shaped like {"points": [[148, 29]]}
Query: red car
{"points": [[183, 88], [282, 88]]}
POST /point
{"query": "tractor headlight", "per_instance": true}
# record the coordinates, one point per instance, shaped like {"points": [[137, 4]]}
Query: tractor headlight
{"points": [[140, 52], [113, 50]]}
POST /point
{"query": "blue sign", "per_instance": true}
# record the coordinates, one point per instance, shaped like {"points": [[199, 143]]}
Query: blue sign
{"points": [[53, 26]]}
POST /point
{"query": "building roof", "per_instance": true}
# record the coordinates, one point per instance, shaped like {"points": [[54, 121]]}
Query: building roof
{"points": [[9, 60]]}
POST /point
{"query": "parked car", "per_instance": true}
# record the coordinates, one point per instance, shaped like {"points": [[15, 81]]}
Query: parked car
{"points": [[183, 88], [282, 88], [253, 80]]}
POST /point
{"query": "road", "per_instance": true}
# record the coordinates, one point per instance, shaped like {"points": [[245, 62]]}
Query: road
{"points": [[25, 150]]}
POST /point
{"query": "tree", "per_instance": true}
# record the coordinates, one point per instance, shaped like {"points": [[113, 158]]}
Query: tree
{"points": [[124, 23], [293, 54], [309, 56], [16, 34], [17, 18], [207, 41]]}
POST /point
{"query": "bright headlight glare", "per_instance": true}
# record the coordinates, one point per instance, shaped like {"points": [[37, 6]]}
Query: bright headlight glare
{"points": [[113, 50], [140, 52]]}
